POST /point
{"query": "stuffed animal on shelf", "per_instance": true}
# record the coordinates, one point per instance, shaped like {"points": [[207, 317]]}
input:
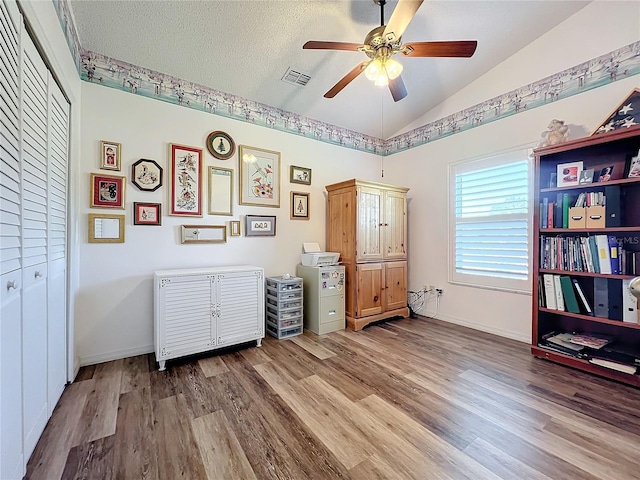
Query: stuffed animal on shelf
{"points": [[557, 132]]}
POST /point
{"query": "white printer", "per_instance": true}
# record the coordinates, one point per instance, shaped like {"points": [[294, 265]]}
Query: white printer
{"points": [[313, 257]]}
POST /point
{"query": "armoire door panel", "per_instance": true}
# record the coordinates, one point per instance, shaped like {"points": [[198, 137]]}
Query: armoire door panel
{"points": [[369, 224], [369, 289], [341, 217], [395, 225], [395, 285]]}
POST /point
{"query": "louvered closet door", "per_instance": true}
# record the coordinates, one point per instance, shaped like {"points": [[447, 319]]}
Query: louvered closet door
{"points": [[34, 251], [240, 302], [189, 326], [11, 459], [57, 244]]}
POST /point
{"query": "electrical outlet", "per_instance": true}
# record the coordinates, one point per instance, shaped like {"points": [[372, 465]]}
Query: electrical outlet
{"points": [[427, 287], [439, 291]]}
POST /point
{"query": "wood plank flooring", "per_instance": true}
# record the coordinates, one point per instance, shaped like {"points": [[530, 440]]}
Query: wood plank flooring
{"points": [[404, 399]]}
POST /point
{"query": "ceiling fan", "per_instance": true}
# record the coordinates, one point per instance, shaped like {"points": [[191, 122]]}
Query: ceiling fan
{"points": [[383, 42]]}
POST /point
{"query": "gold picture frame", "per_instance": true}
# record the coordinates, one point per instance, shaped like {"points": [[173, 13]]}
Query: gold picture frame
{"points": [[105, 228], [259, 177], [234, 227], [110, 153], [220, 191], [203, 234]]}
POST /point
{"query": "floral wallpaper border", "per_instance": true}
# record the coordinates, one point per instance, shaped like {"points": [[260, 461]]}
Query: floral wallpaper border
{"points": [[97, 68]]}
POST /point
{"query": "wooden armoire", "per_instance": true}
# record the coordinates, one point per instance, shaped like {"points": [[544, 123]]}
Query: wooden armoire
{"points": [[367, 225]]}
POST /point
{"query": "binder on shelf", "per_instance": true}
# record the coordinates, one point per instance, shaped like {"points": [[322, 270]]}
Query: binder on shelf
{"points": [[544, 213], [549, 291], [600, 297], [613, 255], [570, 299], [615, 299], [614, 206], [604, 257], [582, 297], [594, 254], [557, 287], [629, 304]]}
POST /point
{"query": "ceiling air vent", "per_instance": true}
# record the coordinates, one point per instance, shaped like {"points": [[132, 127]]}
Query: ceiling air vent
{"points": [[296, 77]]}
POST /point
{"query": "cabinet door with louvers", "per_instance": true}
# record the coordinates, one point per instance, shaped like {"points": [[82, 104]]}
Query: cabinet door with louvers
{"points": [[184, 316], [239, 306]]}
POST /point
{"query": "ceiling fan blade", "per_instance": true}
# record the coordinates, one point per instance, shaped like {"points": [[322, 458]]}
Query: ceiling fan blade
{"points": [[400, 18], [397, 88], [315, 45], [344, 81], [460, 48]]}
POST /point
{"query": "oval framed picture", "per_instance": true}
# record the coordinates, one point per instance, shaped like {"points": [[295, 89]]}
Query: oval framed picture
{"points": [[221, 145]]}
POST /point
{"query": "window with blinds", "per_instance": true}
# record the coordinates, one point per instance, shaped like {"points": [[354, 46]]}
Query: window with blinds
{"points": [[490, 218]]}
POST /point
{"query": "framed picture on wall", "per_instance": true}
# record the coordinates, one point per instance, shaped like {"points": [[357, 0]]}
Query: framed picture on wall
{"points": [[106, 228], [259, 177], [146, 175], [220, 191], [260, 226], [147, 213], [110, 155], [107, 191], [185, 176], [299, 206], [300, 175]]}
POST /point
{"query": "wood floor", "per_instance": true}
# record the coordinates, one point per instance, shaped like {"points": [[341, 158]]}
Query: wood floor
{"points": [[405, 399]]}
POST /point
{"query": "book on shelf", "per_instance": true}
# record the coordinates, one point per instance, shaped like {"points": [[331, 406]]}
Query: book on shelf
{"points": [[582, 297], [549, 291], [563, 340], [604, 256], [613, 365], [601, 297], [613, 254], [557, 288], [591, 340], [570, 300]]}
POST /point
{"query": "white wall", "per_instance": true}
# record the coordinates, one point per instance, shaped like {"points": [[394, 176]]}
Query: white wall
{"points": [[425, 169], [114, 310]]}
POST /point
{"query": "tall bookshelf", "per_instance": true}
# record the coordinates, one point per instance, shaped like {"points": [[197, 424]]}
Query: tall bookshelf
{"points": [[596, 152]]}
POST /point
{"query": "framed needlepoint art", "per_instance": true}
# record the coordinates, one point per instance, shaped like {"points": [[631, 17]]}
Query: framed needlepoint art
{"points": [[147, 213], [221, 145], [185, 177], [110, 155], [146, 175], [107, 191]]}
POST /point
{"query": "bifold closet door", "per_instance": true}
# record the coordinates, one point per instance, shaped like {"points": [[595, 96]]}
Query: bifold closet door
{"points": [[11, 459], [58, 154], [34, 123]]}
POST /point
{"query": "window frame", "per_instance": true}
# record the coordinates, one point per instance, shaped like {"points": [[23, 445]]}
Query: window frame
{"points": [[489, 282]]}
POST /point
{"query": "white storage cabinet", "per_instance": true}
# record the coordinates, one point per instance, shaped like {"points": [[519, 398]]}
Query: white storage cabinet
{"points": [[203, 309]]}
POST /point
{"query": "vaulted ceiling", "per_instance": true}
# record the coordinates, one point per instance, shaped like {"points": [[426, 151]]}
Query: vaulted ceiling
{"points": [[244, 47]]}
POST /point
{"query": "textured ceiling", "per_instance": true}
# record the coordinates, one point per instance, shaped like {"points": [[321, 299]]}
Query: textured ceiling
{"points": [[244, 47]]}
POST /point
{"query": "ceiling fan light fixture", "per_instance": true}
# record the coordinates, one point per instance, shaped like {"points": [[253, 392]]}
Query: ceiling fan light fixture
{"points": [[374, 69], [393, 68], [381, 81]]}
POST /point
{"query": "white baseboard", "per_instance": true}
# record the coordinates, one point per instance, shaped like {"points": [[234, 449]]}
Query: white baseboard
{"points": [[485, 328], [108, 356]]}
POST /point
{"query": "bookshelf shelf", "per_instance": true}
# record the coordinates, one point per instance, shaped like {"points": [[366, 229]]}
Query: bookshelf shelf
{"points": [[584, 274], [589, 318], [583, 364], [619, 224]]}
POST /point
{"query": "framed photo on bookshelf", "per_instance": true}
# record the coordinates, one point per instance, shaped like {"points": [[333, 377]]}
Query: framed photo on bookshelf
{"points": [[605, 174], [586, 176], [634, 166], [569, 174]]}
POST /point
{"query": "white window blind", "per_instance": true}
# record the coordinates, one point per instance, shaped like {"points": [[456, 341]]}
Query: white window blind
{"points": [[490, 218]]}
